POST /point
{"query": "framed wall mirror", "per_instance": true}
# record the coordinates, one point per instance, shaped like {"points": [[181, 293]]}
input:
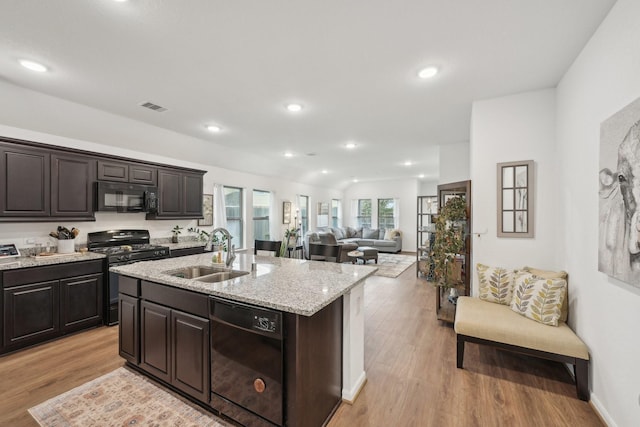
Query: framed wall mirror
{"points": [[515, 199], [286, 212]]}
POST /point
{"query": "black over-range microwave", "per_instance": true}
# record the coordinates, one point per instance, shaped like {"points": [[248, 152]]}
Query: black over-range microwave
{"points": [[124, 197]]}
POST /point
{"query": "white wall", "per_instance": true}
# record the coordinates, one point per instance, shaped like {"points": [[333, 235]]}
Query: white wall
{"points": [[604, 312], [513, 128], [428, 188], [406, 190], [454, 162]]}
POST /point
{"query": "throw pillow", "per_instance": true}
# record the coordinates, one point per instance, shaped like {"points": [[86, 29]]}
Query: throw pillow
{"points": [[495, 283], [538, 298], [358, 232], [388, 235], [351, 232], [547, 274], [337, 232], [370, 233], [381, 233]]}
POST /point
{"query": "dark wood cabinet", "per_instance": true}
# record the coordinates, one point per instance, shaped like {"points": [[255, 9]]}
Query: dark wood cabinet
{"points": [[24, 189], [112, 170], [190, 354], [174, 253], [155, 336], [72, 178], [142, 174], [179, 195], [80, 302], [41, 303], [129, 342], [31, 313]]}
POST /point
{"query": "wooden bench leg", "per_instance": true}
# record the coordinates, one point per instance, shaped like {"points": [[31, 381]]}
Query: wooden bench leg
{"points": [[460, 351], [581, 371]]}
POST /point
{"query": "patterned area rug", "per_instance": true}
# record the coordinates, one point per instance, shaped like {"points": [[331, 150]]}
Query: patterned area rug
{"points": [[121, 398], [392, 265]]}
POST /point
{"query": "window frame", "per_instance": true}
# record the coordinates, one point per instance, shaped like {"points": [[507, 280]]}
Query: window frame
{"points": [[260, 218], [240, 239], [386, 218], [359, 212]]}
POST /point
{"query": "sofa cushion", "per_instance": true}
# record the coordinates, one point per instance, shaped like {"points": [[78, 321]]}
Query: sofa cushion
{"points": [[382, 243], [327, 238], [352, 232], [495, 284], [370, 233], [338, 232], [547, 274], [538, 298], [496, 322]]}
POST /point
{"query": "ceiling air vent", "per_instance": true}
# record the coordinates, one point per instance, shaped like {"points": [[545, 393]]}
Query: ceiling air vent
{"points": [[152, 106]]}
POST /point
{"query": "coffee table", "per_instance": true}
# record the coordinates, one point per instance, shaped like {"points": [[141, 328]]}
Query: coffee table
{"points": [[365, 253]]}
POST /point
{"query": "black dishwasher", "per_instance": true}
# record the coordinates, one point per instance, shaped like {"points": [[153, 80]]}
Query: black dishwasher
{"points": [[246, 362]]}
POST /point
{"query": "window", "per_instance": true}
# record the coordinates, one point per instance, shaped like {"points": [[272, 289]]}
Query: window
{"points": [[233, 203], [304, 214], [386, 209], [261, 200], [515, 207], [323, 215], [335, 213], [364, 213]]}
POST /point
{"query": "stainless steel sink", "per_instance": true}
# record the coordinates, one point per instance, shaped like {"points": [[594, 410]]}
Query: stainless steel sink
{"points": [[195, 271], [222, 276]]}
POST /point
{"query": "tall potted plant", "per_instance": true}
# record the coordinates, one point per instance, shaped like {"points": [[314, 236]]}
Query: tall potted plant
{"points": [[449, 243]]}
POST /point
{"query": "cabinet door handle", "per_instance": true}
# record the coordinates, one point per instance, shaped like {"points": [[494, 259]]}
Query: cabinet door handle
{"points": [[259, 385]]}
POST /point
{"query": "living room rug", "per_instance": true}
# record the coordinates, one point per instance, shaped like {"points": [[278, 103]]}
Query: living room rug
{"points": [[120, 398], [393, 265]]}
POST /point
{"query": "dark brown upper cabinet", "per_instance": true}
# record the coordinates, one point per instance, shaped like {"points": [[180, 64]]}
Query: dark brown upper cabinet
{"points": [[72, 178], [179, 195], [111, 170], [24, 186]]}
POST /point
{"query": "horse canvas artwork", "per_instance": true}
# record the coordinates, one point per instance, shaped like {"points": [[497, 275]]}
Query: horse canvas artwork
{"points": [[619, 232]]}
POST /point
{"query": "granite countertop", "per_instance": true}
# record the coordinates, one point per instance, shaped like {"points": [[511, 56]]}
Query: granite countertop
{"points": [[32, 261], [290, 285]]}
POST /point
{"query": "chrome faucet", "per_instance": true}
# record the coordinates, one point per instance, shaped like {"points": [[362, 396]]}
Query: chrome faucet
{"points": [[231, 249]]}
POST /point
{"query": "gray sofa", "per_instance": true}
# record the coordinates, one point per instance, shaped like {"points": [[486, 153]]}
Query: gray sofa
{"points": [[353, 238]]}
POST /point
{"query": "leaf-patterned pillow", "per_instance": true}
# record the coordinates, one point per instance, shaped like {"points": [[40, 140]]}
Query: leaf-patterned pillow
{"points": [[538, 298], [495, 283]]}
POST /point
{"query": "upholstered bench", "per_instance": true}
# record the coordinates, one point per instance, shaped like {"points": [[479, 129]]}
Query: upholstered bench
{"points": [[489, 323]]}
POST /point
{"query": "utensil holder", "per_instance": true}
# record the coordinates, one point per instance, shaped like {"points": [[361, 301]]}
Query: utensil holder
{"points": [[66, 246]]}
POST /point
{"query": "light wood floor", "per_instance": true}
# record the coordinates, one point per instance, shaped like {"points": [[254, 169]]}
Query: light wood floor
{"points": [[409, 360]]}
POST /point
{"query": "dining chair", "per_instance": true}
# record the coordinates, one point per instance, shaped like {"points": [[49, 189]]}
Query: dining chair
{"points": [[321, 252], [267, 245]]}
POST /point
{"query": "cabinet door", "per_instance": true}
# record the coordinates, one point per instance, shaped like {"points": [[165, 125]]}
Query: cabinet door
{"points": [[80, 302], [192, 195], [142, 174], [24, 189], [190, 354], [169, 193], [31, 313], [155, 336], [111, 170], [129, 344], [72, 178]]}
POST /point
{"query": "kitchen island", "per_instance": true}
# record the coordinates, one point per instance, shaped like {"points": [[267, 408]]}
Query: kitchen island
{"points": [[302, 355]]}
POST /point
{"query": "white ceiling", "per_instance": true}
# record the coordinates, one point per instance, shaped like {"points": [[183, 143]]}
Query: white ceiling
{"points": [[351, 63]]}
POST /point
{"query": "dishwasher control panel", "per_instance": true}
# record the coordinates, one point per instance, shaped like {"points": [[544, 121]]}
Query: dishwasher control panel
{"points": [[267, 322]]}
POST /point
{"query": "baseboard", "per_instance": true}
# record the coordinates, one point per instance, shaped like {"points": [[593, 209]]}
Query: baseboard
{"points": [[601, 411], [350, 396], [595, 404]]}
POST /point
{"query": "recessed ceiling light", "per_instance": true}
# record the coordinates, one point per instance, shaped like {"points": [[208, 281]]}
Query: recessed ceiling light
{"points": [[33, 66], [427, 73], [288, 154], [325, 171], [408, 163], [294, 108], [214, 128], [421, 175], [350, 145], [355, 179]]}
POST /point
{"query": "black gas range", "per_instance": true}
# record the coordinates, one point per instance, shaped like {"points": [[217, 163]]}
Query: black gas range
{"points": [[122, 247]]}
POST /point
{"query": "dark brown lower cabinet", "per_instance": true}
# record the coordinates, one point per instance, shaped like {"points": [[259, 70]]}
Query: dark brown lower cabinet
{"points": [[129, 344], [31, 313], [174, 347], [80, 302], [190, 354], [41, 303]]}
